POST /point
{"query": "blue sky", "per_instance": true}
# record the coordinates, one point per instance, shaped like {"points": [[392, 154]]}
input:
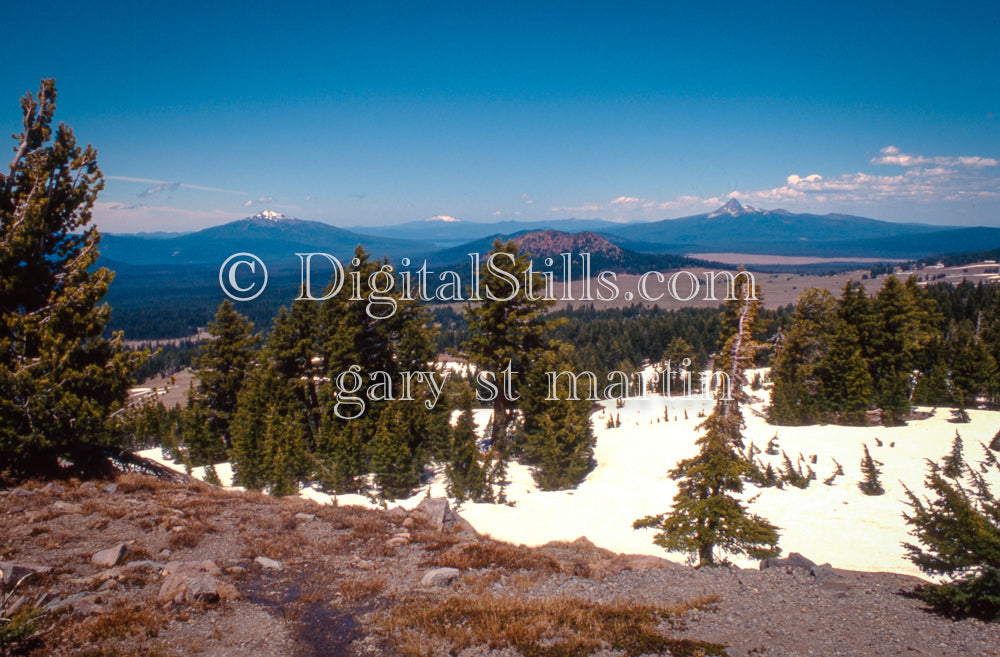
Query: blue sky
{"points": [[397, 111]]}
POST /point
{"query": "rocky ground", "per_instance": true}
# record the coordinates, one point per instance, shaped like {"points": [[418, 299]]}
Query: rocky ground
{"points": [[142, 567]]}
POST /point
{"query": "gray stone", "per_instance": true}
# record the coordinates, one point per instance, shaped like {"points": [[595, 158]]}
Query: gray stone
{"points": [[108, 585], [111, 557], [22, 492], [821, 573], [439, 577], [12, 574], [793, 560], [61, 603], [88, 487], [435, 509], [305, 516], [52, 488], [67, 507], [268, 564], [440, 515], [194, 581], [110, 488], [192, 568]]}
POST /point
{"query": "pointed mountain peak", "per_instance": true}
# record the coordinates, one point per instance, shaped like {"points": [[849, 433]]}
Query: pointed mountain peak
{"points": [[732, 208], [271, 215]]}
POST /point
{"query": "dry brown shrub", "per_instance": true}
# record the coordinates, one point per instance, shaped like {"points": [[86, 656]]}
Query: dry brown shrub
{"points": [[104, 508], [369, 527], [479, 583], [132, 482], [275, 545], [356, 589], [189, 537], [552, 627], [473, 556], [434, 540], [123, 619]]}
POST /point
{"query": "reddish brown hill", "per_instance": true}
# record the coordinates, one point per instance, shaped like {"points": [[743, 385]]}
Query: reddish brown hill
{"points": [[545, 243]]}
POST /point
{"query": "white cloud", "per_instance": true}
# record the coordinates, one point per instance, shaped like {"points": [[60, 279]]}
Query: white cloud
{"points": [[891, 155], [924, 180]]}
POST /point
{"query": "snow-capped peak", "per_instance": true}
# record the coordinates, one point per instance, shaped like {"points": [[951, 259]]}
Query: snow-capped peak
{"points": [[270, 215], [732, 208], [443, 217]]}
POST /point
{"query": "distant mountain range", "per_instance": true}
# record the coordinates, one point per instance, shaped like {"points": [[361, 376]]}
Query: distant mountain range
{"points": [[270, 235], [732, 228]]}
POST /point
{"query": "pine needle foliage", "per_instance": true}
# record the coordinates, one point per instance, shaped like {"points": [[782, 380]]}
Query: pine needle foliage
{"points": [[958, 530], [707, 516], [61, 380], [870, 485]]}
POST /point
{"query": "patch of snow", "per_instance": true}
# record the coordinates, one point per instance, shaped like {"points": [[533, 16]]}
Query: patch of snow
{"points": [[836, 524]]}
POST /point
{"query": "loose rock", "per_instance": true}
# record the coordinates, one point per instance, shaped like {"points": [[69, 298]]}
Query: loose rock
{"points": [[439, 577], [111, 557], [268, 564]]}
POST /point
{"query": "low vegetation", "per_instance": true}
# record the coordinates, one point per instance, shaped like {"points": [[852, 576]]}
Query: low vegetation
{"points": [[549, 627]]}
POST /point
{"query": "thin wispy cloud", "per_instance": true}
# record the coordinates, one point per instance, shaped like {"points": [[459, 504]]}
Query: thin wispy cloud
{"points": [[260, 200], [163, 187], [170, 185], [891, 155]]}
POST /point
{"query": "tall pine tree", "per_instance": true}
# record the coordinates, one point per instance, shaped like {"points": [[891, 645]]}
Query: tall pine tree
{"points": [[557, 438], [221, 367], [506, 328], [60, 378], [798, 393], [706, 515]]}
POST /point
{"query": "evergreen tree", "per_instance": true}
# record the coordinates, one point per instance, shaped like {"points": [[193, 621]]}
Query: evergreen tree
{"points": [[292, 351], [465, 473], [263, 392], [972, 366], [955, 461], [60, 379], [203, 446], [839, 471], [385, 330], [959, 533], [932, 387], [677, 351], [798, 395], [556, 435], [844, 371], [869, 470], [790, 474], [221, 369], [506, 330], [706, 515], [286, 459], [904, 326], [211, 476]]}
